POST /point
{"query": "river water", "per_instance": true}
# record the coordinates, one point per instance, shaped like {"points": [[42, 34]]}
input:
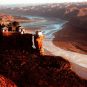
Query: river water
{"points": [[46, 25], [49, 26]]}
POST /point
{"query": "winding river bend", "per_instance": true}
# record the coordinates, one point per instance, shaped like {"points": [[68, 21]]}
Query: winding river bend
{"points": [[49, 26]]}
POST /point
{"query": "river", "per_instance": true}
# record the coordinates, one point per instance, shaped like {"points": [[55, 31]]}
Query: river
{"points": [[46, 25], [49, 26]]}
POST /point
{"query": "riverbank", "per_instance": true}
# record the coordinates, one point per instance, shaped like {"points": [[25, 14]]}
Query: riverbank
{"points": [[71, 38], [22, 19], [74, 58]]}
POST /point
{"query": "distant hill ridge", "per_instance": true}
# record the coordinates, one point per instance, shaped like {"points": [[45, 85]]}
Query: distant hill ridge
{"points": [[62, 10]]}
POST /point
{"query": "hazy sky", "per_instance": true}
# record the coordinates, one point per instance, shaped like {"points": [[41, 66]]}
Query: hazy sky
{"points": [[36, 1]]}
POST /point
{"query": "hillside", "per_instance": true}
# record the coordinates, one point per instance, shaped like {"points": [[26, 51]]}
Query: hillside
{"points": [[28, 69], [73, 36]]}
